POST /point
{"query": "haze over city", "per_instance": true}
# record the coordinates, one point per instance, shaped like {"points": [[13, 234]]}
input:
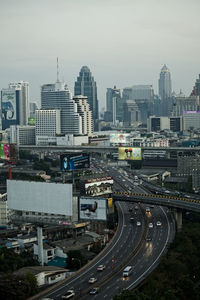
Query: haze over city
{"points": [[123, 43]]}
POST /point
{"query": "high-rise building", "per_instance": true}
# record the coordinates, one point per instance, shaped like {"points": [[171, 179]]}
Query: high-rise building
{"points": [[131, 113], [57, 96], [86, 86], [164, 83], [22, 135], [143, 96], [86, 114], [114, 107], [182, 103], [15, 104], [48, 125]]}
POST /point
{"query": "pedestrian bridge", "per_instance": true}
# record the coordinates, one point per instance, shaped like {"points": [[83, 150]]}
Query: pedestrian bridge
{"points": [[169, 201]]}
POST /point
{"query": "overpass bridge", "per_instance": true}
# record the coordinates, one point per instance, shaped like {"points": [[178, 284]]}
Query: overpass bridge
{"points": [[106, 149], [174, 202]]}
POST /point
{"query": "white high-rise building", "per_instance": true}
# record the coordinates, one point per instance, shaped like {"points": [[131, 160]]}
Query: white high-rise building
{"points": [[57, 96], [84, 111], [48, 125], [22, 135]]}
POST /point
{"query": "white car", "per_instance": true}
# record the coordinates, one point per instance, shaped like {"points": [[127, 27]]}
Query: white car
{"points": [[101, 268], [138, 223], [159, 223], [150, 225], [69, 294], [92, 280]]}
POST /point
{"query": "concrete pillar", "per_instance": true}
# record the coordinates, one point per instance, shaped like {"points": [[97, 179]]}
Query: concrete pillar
{"points": [[40, 246], [178, 217], [41, 155]]}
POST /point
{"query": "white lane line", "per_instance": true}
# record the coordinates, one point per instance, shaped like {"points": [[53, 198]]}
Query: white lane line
{"points": [[87, 270], [158, 255]]}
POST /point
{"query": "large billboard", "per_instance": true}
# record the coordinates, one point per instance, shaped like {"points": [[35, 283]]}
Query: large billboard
{"points": [[43, 197], [119, 138], [92, 208], [74, 161], [5, 151], [128, 153], [99, 186], [8, 105]]}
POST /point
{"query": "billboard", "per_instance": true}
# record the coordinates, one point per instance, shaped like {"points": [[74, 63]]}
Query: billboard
{"points": [[92, 208], [74, 161], [119, 138], [99, 186], [43, 197], [128, 153], [5, 151], [8, 105]]}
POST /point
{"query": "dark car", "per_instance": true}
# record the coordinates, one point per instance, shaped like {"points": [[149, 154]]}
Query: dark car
{"points": [[94, 291]]}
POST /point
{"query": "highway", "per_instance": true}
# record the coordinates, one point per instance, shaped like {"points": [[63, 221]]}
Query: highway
{"points": [[138, 246]]}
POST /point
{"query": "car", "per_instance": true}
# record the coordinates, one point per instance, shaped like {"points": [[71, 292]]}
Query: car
{"points": [[158, 223], [94, 291], [136, 207], [92, 280], [150, 225], [101, 267], [138, 223], [132, 220], [147, 209], [148, 239], [69, 294]]}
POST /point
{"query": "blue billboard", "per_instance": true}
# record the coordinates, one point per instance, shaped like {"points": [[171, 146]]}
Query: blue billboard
{"points": [[74, 161]]}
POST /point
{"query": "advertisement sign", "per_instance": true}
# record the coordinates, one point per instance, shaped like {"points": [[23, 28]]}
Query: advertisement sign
{"points": [[74, 161], [8, 105], [51, 198], [128, 153], [92, 209], [119, 138], [5, 151], [99, 186]]}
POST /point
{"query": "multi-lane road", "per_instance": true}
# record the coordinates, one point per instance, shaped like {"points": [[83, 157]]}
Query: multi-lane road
{"points": [[135, 243]]}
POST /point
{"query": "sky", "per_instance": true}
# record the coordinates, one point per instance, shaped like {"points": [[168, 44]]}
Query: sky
{"points": [[123, 42]]}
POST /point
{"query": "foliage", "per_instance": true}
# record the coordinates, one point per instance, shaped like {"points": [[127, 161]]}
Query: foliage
{"points": [[96, 247], [18, 287], [178, 275], [11, 261], [41, 165], [75, 260]]}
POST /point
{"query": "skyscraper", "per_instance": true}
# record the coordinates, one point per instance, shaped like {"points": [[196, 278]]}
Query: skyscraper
{"points": [[15, 104], [86, 86], [57, 96], [86, 114], [114, 109], [164, 83]]}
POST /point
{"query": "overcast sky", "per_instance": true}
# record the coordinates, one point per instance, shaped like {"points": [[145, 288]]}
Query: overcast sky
{"points": [[123, 42]]}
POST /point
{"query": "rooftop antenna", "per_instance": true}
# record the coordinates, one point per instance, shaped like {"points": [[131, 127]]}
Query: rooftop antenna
{"points": [[57, 71]]}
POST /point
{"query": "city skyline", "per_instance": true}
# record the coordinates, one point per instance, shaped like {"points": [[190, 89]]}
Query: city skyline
{"points": [[130, 52]]}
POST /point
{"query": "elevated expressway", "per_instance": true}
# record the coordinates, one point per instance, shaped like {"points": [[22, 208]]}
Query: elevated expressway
{"points": [[174, 202]]}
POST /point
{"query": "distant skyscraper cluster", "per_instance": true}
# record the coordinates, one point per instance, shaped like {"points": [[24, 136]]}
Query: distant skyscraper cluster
{"points": [[62, 114]]}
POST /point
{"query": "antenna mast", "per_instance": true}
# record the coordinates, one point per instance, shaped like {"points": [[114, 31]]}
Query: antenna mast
{"points": [[57, 71]]}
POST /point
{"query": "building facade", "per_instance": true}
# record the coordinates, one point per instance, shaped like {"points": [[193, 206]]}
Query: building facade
{"points": [[84, 111], [114, 106], [164, 83], [182, 104], [131, 112], [86, 86], [22, 135], [57, 96], [165, 123]]}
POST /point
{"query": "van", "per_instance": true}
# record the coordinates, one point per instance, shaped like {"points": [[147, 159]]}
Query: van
{"points": [[127, 271]]}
